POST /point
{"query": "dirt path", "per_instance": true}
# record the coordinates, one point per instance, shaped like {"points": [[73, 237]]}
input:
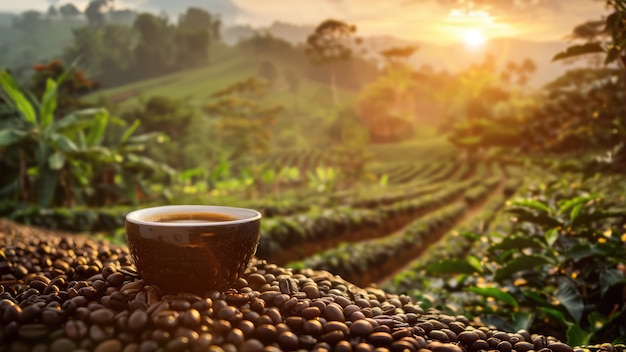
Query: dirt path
{"points": [[386, 271]]}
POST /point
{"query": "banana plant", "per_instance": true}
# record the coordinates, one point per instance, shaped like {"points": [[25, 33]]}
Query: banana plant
{"points": [[64, 161]]}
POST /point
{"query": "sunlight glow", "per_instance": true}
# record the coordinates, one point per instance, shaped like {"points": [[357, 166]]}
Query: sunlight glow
{"points": [[470, 26], [474, 38]]}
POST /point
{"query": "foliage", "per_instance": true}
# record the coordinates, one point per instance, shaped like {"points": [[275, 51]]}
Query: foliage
{"points": [[73, 85], [562, 263], [182, 126], [331, 42], [387, 107], [243, 122], [52, 162]]}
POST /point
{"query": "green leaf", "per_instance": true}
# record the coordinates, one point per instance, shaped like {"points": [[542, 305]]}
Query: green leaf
{"points": [[570, 298], [56, 161], [10, 136], [597, 320], [495, 293], [577, 50], [575, 211], [516, 242], [47, 186], [610, 277], [63, 143], [522, 320], [518, 264], [98, 127], [576, 336], [571, 203], [22, 104], [533, 204], [451, 266], [48, 104], [129, 132], [551, 236]]}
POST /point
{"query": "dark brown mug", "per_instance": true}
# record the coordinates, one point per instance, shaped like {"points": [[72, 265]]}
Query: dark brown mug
{"points": [[192, 248]]}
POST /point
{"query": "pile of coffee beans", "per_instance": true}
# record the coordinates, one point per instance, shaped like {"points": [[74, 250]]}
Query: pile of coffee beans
{"points": [[62, 292]]}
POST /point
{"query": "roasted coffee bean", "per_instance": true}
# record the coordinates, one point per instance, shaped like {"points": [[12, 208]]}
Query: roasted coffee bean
{"points": [[313, 327], [103, 316], [402, 346], [336, 325], [138, 320], [524, 346], [288, 286], [559, 347], [439, 336], [361, 328], [380, 339], [265, 333], [504, 346], [333, 312], [33, 331], [467, 337], [288, 340], [252, 345], [311, 313], [63, 345], [109, 345], [445, 347]]}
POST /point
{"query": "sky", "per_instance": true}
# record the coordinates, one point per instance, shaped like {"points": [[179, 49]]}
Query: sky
{"points": [[443, 21]]}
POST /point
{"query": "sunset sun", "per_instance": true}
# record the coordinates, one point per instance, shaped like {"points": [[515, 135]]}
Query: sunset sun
{"points": [[473, 37]]}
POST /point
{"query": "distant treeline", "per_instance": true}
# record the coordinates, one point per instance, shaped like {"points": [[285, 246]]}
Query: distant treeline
{"points": [[116, 47]]}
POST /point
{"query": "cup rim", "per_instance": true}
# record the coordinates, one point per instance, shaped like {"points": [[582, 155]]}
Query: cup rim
{"points": [[246, 215]]}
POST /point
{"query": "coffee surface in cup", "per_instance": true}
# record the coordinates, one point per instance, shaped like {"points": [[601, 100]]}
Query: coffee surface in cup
{"points": [[191, 217]]}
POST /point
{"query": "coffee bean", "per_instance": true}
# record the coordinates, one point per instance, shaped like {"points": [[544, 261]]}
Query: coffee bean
{"points": [[504, 346], [439, 336], [361, 328], [444, 347], [288, 340], [288, 286], [148, 346], [138, 320], [334, 312], [166, 319], [101, 333], [102, 316], [62, 345], [523, 346], [313, 327], [380, 338], [559, 347], [312, 292], [402, 346], [111, 345], [311, 313], [252, 345], [265, 333], [467, 337], [332, 337], [33, 331]]}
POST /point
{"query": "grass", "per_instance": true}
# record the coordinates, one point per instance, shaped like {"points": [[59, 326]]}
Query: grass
{"points": [[195, 85]]}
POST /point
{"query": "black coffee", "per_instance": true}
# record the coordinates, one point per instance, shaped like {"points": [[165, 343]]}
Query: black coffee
{"points": [[191, 217]]}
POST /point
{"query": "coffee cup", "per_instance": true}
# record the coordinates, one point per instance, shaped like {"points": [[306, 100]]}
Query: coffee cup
{"points": [[192, 248]]}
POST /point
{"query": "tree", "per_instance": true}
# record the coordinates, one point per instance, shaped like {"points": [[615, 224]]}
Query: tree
{"points": [[268, 72], [243, 122], [331, 42], [293, 83], [398, 54], [193, 37], [94, 14], [153, 52], [52, 12], [69, 11]]}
